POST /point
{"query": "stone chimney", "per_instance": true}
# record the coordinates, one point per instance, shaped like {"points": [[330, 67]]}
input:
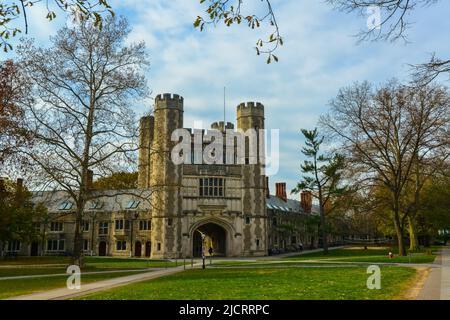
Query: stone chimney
{"points": [[306, 201], [267, 188], [281, 190]]}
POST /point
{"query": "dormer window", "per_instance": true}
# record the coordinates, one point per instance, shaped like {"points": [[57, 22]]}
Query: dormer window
{"points": [[95, 205], [132, 204], [66, 205]]}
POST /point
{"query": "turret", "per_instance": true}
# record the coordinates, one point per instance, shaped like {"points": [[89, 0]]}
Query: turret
{"points": [[219, 126], [165, 178], [250, 115]]}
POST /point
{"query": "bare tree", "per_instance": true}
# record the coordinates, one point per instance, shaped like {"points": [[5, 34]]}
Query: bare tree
{"points": [[394, 21], [384, 130], [394, 25], [80, 107]]}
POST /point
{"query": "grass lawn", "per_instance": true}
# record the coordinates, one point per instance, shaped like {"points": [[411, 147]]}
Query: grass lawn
{"points": [[54, 265], [275, 283], [359, 254], [11, 288]]}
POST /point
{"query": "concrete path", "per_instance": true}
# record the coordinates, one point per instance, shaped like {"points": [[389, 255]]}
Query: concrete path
{"points": [[64, 293], [84, 273], [437, 286]]}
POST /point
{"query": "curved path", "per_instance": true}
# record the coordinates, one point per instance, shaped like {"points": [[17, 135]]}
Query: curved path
{"points": [[437, 286]]}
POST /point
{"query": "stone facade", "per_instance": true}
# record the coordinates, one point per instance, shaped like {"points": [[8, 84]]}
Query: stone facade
{"points": [[183, 210]]}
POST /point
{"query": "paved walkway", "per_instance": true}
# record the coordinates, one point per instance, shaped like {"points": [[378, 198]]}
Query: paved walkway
{"points": [[84, 273], [64, 293], [437, 286]]}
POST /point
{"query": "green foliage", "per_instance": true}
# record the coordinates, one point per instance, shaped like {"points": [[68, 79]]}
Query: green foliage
{"points": [[81, 10], [230, 13], [17, 213], [117, 181], [323, 173]]}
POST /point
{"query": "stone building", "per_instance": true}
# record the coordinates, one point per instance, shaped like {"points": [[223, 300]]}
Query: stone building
{"points": [[178, 210]]}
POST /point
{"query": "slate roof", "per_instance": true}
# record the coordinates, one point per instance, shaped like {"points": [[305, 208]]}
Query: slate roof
{"points": [[106, 200], [291, 205]]}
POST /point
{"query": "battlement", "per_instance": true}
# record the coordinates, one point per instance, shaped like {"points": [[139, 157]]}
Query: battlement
{"points": [[169, 97], [219, 125], [250, 109], [168, 100]]}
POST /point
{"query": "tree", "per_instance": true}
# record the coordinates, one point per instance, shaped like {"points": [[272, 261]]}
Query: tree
{"points": [[323, 177], [393, 26], [385, 131], [82, 10], [434, 214], [80, 108], [13, 88], [117, 181], [17, 214], [230, 12]]}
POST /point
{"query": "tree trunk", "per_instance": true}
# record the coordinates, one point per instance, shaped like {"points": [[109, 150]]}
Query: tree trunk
{"points": [[323, 229], [412, 229], [77, 258], [399, 232]]}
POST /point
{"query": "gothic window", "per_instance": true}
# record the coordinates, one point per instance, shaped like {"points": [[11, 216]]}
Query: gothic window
{"points": [[211, 187]]}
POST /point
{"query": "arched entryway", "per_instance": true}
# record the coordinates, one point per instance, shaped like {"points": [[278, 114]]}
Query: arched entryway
{"points": [[214, 236], [34, 250], [137, 249], [148, 248], [102, 249]]}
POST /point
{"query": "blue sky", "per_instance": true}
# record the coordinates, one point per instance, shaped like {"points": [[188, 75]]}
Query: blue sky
{"points": [[320, 56]]}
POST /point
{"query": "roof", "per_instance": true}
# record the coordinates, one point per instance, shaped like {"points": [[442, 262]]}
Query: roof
{"points": [[105, 201], [291, 205]]}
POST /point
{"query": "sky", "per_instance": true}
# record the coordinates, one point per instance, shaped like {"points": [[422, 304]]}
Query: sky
{"points": [[320, 56]]}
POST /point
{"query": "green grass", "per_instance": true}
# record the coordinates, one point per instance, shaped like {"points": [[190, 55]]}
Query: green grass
{"points": [[372, 254], [35, 260], [54, 265], [11, 288], [259, 284]]}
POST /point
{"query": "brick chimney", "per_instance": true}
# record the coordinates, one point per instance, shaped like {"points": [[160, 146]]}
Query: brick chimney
{"points": [[281, 190], [306, 201], [267, 188], [19, 184]]}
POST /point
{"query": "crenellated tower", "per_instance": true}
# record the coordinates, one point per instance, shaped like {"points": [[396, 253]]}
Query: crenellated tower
{"points": [[250, 115], [166, 178]]}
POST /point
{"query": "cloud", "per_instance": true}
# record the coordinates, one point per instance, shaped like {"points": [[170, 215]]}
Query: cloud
{"points": [[319, 57]]}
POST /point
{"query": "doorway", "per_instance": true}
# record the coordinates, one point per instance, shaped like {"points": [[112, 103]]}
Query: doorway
{"points": [[137, 249], [148, 249], [214, 237], [34, 250], [102, 249]]}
